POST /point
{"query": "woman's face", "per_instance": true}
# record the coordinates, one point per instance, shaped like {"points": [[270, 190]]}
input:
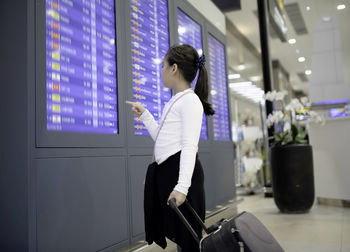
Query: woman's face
{"points": [[168, 74]]}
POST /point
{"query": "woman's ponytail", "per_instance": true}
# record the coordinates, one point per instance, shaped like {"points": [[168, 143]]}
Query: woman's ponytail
{"points": [[202, 90]]}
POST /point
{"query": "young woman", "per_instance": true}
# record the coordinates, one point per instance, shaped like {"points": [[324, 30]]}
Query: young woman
{"points": [[177, 172]]}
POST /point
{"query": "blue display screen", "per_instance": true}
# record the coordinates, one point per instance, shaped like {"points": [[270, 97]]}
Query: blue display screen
{"points": [[149, 43], [190, 32], [81, 76], [221, 123]]}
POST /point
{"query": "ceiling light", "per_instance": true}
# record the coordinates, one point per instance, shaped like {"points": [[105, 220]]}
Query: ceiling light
{"points": [[255, 78], [308, 72], [240, 84], [341, 7], [234, 76], [326, 18], [292, 41], [241, 67], [248, 90], [301, 59], [308, 8]]}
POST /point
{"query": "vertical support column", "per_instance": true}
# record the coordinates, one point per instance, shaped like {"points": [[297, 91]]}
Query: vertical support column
{"points": [[265, 52], [267, 76]]}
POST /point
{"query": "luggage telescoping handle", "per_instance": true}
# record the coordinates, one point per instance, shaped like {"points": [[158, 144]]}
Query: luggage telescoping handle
{"points": [[172, 203], [194, 213]]}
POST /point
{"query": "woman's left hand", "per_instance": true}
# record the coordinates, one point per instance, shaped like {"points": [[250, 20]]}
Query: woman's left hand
{"points": [[180, 197]]}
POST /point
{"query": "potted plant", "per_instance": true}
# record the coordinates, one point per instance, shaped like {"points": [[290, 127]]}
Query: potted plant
{"points": [[291, 154]]}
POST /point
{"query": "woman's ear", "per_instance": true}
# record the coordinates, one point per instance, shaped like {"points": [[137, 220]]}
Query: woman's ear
{"points": [[174, 68]]}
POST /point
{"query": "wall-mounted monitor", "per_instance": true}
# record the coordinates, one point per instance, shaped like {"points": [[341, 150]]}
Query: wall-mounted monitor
{"points": [[190, 32], [218, 81], [149, 45], [81, 72]]}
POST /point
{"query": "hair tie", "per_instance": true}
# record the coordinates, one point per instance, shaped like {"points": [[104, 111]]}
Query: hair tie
{"points": [[201, 61]]}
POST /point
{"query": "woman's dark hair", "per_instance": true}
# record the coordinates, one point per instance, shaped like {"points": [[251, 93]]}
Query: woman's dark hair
{"points": [[188, 62]]}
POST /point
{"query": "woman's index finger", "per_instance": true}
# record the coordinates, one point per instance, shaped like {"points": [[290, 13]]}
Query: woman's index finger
{"points": [[131, 103]]}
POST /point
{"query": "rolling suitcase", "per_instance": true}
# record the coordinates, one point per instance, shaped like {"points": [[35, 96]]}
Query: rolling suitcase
{"points": [[243, 233]]}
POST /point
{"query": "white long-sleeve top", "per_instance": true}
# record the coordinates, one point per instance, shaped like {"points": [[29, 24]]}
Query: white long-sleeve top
{"points": [[180, 131]]}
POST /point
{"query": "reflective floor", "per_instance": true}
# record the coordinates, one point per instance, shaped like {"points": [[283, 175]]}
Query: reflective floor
{"points": [[323, 229]]}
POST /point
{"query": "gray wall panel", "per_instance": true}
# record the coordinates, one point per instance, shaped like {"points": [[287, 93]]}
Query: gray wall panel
{"points": [[223, 177], [209, 169], [137, 168], [13, 127], [81, 203]]}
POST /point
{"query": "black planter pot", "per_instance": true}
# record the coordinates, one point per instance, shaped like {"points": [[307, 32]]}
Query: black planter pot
{"points": [[293, 177]]}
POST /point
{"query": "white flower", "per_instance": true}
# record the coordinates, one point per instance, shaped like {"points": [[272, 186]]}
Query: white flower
{"points": [[286, 127], [275, 117], [315, 117], [304, 100], [280, 95], [275, 96], [270, 96], [295, 105]]}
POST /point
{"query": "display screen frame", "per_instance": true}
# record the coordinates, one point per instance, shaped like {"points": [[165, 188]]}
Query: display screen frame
{"points": [[138, 141], [213, 31], [144, 35], [49, 138], [191, 12]]}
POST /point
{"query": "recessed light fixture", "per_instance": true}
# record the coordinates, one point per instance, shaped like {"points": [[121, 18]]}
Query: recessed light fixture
{"points": [[248, 90], [308, 72], [292, 41], [255, 78], [241, 67], [341, 7], [301, 59], [234, 76], [308, 8], [326, 18]]}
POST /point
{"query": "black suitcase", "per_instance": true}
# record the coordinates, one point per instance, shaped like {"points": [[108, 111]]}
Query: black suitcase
{"points": [[243, 233]]}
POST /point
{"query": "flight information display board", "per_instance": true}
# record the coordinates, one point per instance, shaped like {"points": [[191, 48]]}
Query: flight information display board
{"points": [[149, 44], [190, 32], [221, 123], [81, 76]]}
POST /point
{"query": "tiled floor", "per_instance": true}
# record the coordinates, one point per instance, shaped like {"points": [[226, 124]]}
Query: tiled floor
{"points": [[323, 229]]}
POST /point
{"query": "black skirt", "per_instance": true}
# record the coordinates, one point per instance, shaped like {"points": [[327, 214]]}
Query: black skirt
{"points": [[160, 220]]}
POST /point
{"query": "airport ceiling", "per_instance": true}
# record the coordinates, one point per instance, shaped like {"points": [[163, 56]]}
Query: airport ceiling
{"points": [[288, 54]]}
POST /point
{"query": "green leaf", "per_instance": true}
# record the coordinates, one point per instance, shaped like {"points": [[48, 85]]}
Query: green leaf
{"points": [[300, 137], [294, 130], [288, 139], [302, 141]]}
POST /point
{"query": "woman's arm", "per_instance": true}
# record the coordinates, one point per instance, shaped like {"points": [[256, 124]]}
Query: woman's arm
{"points": [[151, 124], [191, 122], [146, 117]]}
